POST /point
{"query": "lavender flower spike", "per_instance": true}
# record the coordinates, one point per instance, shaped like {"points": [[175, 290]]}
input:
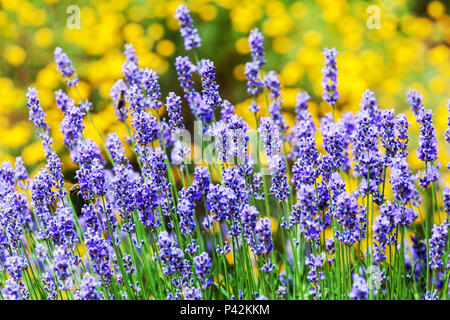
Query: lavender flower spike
{"points": [[329, 81], [64, 65], [188, 32]]}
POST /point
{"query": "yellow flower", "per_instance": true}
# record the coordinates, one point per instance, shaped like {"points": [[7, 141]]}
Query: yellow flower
{"points": [[242, 45], [435, 9], [132, 31], [33, 153], [137, 13], [14, 55], [155, 31], [312, 38], [239, 72], [438, 55], [207, 12], [165, 48], [281, 45], [43, 37], [16, 136]]}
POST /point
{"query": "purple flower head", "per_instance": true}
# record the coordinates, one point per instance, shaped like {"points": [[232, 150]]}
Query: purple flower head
{"points": [[427, 150], [255, 40], [41, 189], [72, 127], [63, 101], [20, 173], [226, 110], [369, 103], [192, 293], [301, 106], [15, 266], [64, 65], [117, 94], [351, 217], [263, 237], [203, 265], [268, 267], [360, 289], [149, 83], [54, 167], [115, 148], [130, 68], [446, 196], [185, 209], [438, 243], [254, 83], [49, 286], [447, 132], [210, 92], [387, 135], [401, 126], [100, 256], [369, 161], [431, 295], [402, 181], [270, 136], [170, 254], [88, 289], [185, 68], [135, 97], [91, 179], [430, 175], [336, 185], [305, 212], [219, 201], [7, 179], [280, 186], [86, 152], [188, 32], [146, 128], [333, 143], [329, 81], [15, 290], [231, 139], [329, 245], [200, 186], [61, 264], [414, 98], [273, 84], [383, 229], [37, 116], [253, 107], [249, 216], [14, 216], [302, 138], [62, 227], [233, 179], [173, 105], [275, 112], [147, 200], [315, 263], [304, 173]]}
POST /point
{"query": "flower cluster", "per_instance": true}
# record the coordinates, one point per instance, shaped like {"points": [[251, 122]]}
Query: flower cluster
{"points": [[334, 217]]}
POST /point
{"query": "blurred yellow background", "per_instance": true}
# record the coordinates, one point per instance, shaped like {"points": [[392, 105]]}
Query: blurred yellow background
{"points": [[409, 51]]}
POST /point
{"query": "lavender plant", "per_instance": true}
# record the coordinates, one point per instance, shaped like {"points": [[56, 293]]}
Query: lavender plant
{"points": [[326, 225]]}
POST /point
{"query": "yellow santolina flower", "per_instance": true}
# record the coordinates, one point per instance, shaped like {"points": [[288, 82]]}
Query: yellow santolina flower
{"points": [[155, 31], [165, 48], [18, 135], [435, 9], [43, 37], [14, 55]]}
